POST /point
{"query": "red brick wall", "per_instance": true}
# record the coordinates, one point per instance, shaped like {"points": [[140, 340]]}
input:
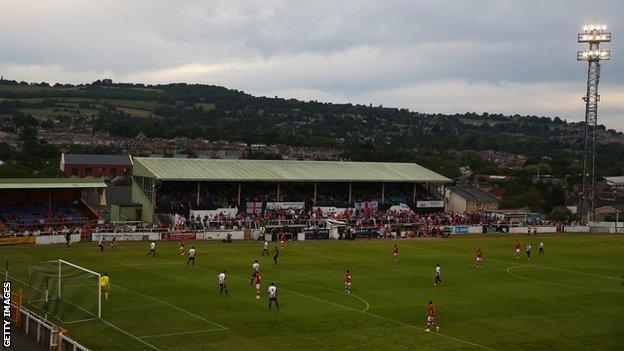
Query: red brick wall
{"points": [[96, 171]]}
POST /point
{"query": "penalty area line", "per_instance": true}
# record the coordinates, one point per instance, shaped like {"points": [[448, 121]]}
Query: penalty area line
{"points": [[172, 306], [180, 333]]}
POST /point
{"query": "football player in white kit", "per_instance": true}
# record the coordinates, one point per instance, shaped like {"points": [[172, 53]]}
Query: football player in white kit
{"points": [[265, 250], [222, 284], [191, 256], [273, 296], [152, 249]]}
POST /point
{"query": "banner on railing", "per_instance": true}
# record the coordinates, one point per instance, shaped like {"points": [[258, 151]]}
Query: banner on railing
{"points": [[366, 233], [316, 234], [121, 236], [254, 207], [18, 240], [178, 236], [460, 229], [278, 205], [495, 228], [369, 206], [429, 204]]}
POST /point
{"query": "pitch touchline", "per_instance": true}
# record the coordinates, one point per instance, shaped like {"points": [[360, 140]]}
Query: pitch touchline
{"points": [[508, 270]]}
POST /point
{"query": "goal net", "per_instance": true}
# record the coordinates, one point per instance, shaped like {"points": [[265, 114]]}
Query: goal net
{"points": [[63, 290]]}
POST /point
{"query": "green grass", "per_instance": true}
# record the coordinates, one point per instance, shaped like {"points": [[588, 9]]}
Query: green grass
{"points": [[138, 104], [136, 112], [206, 106], [569, 299]]}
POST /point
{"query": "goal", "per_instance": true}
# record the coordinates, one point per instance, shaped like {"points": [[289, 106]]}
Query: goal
{"points": [[65, 291]]}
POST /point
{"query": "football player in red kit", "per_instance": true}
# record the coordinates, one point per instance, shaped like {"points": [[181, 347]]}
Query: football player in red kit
{"points": [[479, 259], [347, 282], [431, 314]]}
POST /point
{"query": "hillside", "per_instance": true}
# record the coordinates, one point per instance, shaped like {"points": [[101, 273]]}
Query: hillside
{"points": [[37, 121]]}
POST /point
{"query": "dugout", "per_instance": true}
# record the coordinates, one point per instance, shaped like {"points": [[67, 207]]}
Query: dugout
{"points": [[168, 185]]}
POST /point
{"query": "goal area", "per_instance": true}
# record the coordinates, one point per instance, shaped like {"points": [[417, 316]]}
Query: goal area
{"points": [[65, 291]]}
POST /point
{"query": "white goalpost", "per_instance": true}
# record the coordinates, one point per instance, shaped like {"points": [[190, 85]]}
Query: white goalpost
{"points": [[66, 291]]}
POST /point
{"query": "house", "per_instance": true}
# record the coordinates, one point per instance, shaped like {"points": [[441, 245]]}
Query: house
{"points": [[615, 182], [95, 166], [470, 199], [611, 211]]}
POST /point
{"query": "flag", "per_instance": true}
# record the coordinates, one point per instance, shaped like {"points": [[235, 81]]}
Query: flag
{"points": [[254, 207]]}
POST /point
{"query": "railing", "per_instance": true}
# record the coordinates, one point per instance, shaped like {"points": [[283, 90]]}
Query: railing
{"points": [[46, 333]]}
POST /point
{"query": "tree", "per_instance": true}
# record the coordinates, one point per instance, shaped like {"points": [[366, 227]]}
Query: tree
{"points": [[561, 214]]}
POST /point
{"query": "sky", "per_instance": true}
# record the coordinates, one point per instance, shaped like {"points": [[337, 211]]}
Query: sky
{"points": [[496, 56]]}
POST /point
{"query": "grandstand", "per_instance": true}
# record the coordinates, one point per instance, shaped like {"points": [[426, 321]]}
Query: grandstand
{"points": [[42, 205], [168, 185]]}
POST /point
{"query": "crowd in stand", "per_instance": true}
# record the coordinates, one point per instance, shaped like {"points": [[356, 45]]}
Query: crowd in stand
{"points": [[65, 219], [38, 219], [352, 217]]}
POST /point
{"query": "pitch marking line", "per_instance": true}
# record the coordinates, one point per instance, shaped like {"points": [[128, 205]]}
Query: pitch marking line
{"points": [[140, 264], [340, 291], [131, 335], [172, 306], [508, 270], [372, 314], [576, 272], [393, 321], [180, 333]]}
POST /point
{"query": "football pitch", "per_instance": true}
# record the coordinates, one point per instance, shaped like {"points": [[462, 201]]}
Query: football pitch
{"points": [[571, 298]]}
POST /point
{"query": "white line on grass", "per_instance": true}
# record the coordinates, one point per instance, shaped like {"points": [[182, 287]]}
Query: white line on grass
{"points": [[141, 264], [82, 320], [392, 320], [180, 333], [340, 291], [508, 270], [575, 272], [372, 314], [172, 306], [132, 336]]}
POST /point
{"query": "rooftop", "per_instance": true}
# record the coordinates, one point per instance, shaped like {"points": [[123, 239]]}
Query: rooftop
{"points": [[50, 183], [104, 160], [474, 194], [281, 171]]}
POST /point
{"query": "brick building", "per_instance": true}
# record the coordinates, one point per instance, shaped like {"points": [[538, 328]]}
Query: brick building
{"points": [[96, 166], [470, 199]]}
